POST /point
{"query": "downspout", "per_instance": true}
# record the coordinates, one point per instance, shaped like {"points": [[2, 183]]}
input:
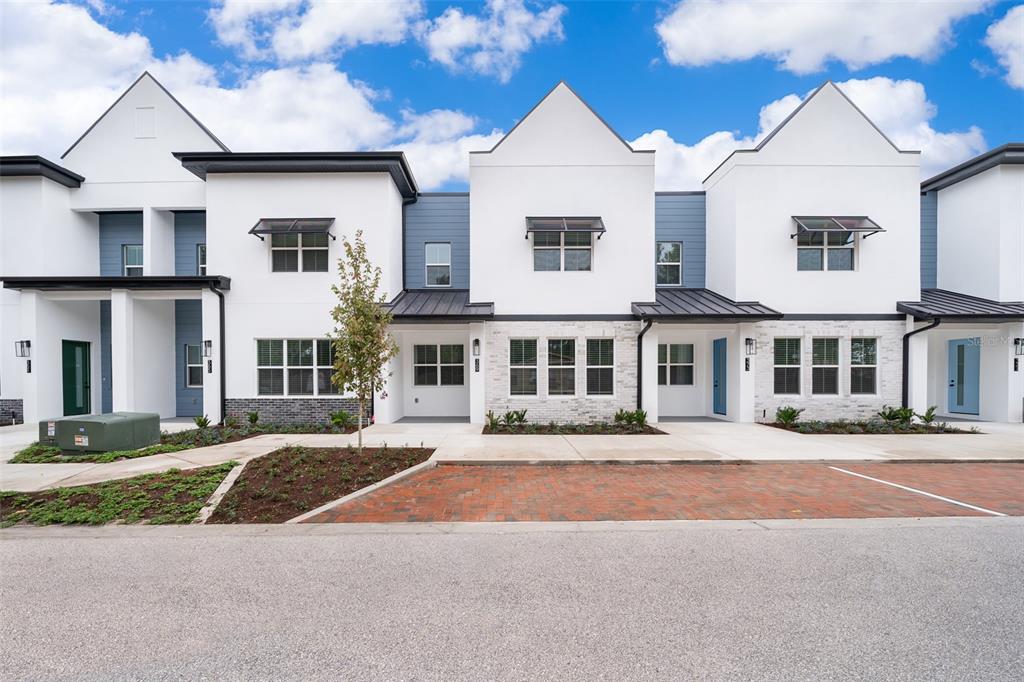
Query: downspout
{"points": [[640, 364], [223, 358], [906, 358]]}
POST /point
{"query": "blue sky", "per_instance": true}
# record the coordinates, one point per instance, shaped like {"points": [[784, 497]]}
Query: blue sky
{"points": [[953, 92]]}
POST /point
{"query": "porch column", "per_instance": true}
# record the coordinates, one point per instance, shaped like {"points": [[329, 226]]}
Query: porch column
{"points": [[389, 409], [122, 350], [477, 373], [212, 389], [1013, 393], [747, 368], [649, 372], [30, 384], [157, 242], [917, 369]]}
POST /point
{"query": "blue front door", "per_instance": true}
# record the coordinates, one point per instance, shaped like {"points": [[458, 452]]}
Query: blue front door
{"points": [[718, 372], [964, 375]]}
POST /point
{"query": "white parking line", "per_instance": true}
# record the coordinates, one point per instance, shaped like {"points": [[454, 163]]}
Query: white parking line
{"points": [[920, 492]]}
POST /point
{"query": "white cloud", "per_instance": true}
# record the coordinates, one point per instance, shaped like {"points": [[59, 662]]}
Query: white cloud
{"points": [[900, 109], [493, 42], [60, 69], [1006, 39], [247, 24], [803, 36]]}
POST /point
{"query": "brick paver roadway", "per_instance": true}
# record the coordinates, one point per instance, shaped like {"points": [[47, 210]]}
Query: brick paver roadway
{"points": [[596, 492]]}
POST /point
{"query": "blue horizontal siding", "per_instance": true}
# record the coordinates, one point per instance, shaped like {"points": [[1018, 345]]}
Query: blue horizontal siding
{"points": [[188, 330], [189, 232], [929, 239], [437, 218], [116, 230], [682, 218]]}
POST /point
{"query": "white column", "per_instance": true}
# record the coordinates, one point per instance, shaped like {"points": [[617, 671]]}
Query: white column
{"points": [[122, 350], [30, 384], [649, 372], [157, 242], [477, 373], [747, 369], [917, 369], [212, 389], [390, 408], [1013, 331]]}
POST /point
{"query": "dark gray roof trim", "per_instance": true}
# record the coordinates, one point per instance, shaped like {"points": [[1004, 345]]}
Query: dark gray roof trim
{"points": [[427, 305], [174, 99], [203, 163], [1012, 153], [100, 283], [680, 303], [950, 304], [15, 166]]}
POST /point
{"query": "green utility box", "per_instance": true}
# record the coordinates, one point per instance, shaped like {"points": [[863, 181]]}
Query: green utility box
{"points": [[105, 432], [48, 432]]}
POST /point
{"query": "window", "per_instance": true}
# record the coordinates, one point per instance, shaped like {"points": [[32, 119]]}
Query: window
{"points": [[193, 366], [561, 366], [824, 250], [675, 364], [600, 366], [863, 365], [132, 257], [434, 365], [200, 259], [522, 360], [439, 264], [290, 251], [569, 251], [292, 367], [669, 263], [787, 366], [825, 366]]}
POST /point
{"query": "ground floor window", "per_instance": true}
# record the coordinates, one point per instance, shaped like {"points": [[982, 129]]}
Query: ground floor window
{"points": [[600, 366], [193, 366], [675, 364], [863, 365], [787, 366], [295, 367], [522, 360], [825, 366], [561, 366], [438, 365]]}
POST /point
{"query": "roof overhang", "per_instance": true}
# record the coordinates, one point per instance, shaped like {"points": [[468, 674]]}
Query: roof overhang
{"points": [[952, 306], [202, 164], [146, 282], [1012, 153], [838, 224], [682, 304], [274, 226], [437, 305], [24, 166]]}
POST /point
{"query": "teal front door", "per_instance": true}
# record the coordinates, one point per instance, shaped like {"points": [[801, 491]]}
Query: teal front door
{"points": [[76, 377], [718, 365], [964, 375]]}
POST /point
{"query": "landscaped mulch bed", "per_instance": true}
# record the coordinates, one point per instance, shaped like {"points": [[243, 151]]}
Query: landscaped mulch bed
{"points": [[867, 427], [173, 496], [573, 429], [293, 480]]}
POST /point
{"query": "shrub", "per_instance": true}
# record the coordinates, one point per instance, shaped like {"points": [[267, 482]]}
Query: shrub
{"points": [[788, 415], [896, 416], [929, 415], [253, 417], [231, 422], [513, 417], [342, 419], [202, 422], [631, 417], [493, 421]]}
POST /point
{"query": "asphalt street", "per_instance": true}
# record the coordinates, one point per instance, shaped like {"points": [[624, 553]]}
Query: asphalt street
{"points": [[798, 600]]}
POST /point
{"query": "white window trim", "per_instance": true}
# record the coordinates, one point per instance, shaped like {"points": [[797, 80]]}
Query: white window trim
{"points": [[590, 366], [201, 258], [679, 265], [668, 364], [824, 248], [836, 367], [188, 365], [562, 248], [124, 260], [285, 367], [438, 365], [548, 367], [536, 367], [799, 365], [860, 365], [299, 248], [427, 265]]}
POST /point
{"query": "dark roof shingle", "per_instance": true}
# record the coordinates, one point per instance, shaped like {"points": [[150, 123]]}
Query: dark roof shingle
{"points": [[438, 304], [942, 303], [680, 303]]}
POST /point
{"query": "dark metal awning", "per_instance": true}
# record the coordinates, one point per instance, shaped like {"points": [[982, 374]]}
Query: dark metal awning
{"points": [[564, 224], [437, 305], [292, 226], [950, 305], [840, 224], [701, 305]]}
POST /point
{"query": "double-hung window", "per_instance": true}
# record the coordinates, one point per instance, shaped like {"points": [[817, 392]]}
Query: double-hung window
{"points": [[675, 364], [787, 366], [669, 263], [825, 366], [522, 360], [200, 259], [600, 366], [831, 251], [294, 367], [438, 365], [438, 257], [132, 257], [863, 366], [561, 366], [569, 251], [193, 366], [306, 252]]}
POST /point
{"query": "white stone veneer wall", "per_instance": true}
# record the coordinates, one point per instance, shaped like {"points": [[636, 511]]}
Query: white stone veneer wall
{"points": [[826, 407], [580, 408]]}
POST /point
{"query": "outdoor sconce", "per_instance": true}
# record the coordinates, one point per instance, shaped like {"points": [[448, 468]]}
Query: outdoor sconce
{"points": [[207, 348], [1018, 346], [476, 347], [23, 349], [751, 346]]}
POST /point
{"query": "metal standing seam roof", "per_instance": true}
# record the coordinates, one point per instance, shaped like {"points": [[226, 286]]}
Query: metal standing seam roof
{"points": [[686, 303], [950, 304], [438, 304]]}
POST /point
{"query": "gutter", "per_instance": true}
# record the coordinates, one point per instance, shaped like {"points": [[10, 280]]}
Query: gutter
{"points": [[906, 357], [640, 364], [223, 358]]}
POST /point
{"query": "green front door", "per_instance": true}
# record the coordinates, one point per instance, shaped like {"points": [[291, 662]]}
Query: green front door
{"points": [[77, 384]]}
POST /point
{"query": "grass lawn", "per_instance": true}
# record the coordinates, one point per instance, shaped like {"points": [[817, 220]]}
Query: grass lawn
{"points": [[173, 496], [294, 480]]}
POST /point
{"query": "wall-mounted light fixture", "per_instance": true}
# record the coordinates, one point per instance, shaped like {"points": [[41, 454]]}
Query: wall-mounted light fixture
{"points": [[476, 347], [1018, 346], [23, 349], [207, 349], [751, 346]]}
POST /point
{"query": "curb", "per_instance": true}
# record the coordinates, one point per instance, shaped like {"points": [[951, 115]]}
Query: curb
{"points": [[704, 462], [211, 504], [405, 473]]}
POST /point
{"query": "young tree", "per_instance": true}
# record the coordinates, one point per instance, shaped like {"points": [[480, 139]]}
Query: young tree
{"points": [[362, 344]]}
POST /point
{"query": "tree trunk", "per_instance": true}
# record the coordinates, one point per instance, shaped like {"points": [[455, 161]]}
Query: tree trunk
{"points": [[360, 427]]}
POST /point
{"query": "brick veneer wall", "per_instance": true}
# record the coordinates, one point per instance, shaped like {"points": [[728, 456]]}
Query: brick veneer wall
{"points": [[293, 410], [844, 405], [580, 408], [11, 405]]}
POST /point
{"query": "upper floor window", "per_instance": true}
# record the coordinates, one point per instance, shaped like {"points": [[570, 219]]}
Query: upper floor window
{"points": [[569, 251], [200, 259], [132, 258], [669, 263], [438, 258], [825, 251], [305, 252]]}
